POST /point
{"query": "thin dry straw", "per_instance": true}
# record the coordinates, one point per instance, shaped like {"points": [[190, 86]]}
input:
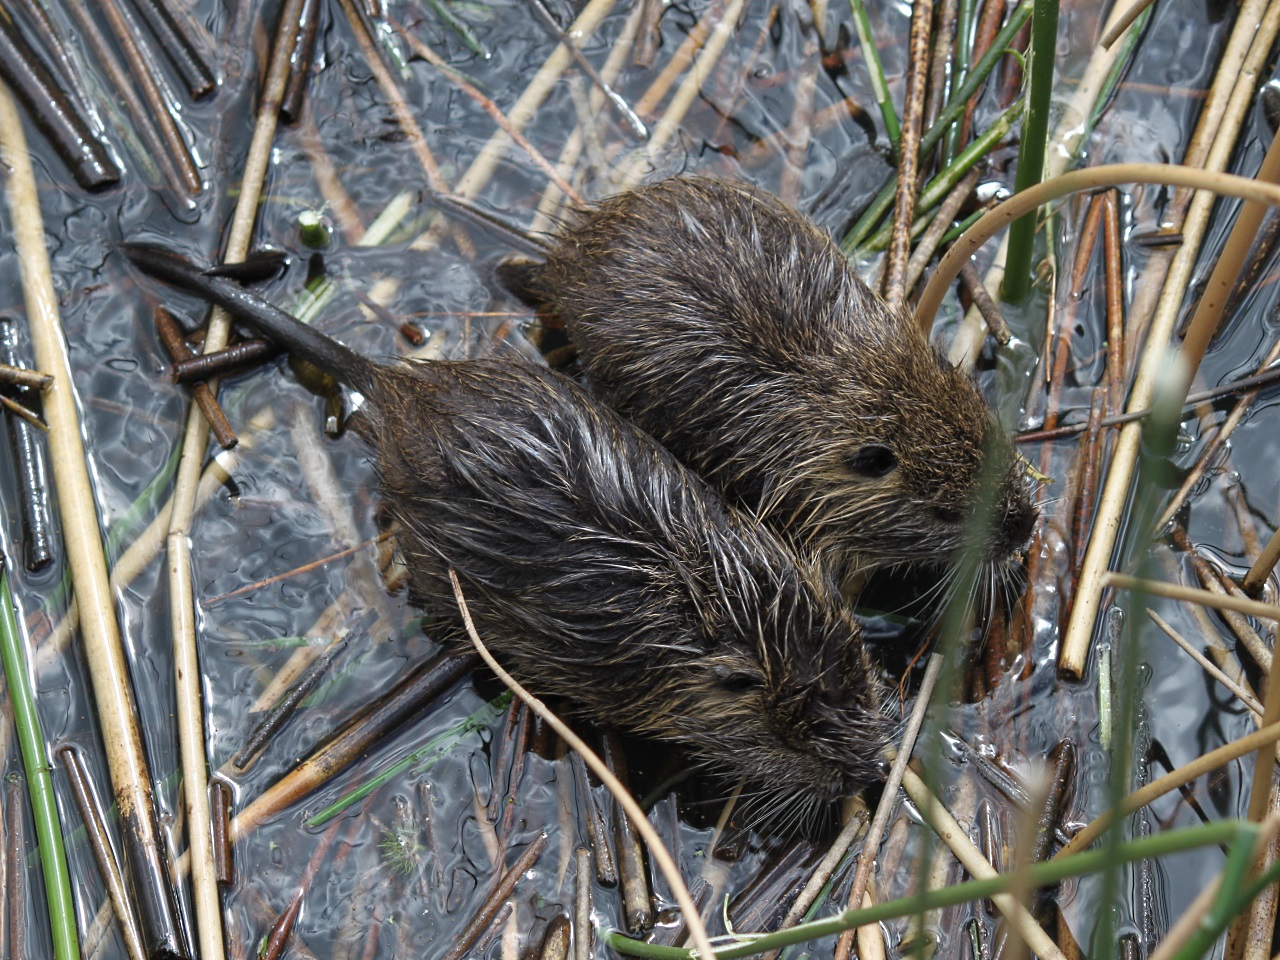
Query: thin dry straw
{"points": [[657, 850], [117, 713]]}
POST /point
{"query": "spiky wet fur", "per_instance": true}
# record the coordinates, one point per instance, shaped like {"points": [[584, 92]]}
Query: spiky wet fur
{"points": [[600, 569], [733, 330], [597, 567]]}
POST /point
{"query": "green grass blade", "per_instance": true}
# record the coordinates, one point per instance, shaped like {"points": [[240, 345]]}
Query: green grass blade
{"points": [[1035, 141], [53, 857], [950, 113], [879, 86]]}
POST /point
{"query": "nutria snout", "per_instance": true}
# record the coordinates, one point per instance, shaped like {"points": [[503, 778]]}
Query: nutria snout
{"points": [[597, 567], [732, 329]]}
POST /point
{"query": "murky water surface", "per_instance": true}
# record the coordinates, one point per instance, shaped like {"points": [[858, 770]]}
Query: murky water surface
{"points": [[413, 861]]}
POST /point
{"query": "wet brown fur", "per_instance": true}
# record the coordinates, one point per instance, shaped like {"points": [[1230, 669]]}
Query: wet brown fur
{"points": [[732, 329], [598, 568]]}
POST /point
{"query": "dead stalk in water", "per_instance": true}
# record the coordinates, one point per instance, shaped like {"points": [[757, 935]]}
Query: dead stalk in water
{"points": [[656, 848]]}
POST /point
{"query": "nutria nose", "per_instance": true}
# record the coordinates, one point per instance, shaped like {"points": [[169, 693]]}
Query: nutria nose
{"points": [[1019, 522]]}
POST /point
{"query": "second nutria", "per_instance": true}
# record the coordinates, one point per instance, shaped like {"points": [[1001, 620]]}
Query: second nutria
{"points": [[598, 568], [732, 329]]}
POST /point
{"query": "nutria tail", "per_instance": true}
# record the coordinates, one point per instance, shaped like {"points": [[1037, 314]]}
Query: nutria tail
{"points": [[303, 341]]}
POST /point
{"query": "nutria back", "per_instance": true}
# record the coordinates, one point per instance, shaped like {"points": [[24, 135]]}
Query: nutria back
{"points": [[731, 328], [597, 567]]}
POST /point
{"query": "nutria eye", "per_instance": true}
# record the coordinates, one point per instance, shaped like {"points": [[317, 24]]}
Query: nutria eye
{"points": [[947, 515], [739, 682], [873, 460]]}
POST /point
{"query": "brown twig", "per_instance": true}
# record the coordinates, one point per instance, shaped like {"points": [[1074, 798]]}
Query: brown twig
{"points": [[91, 814], [275, 718], [205, 365], [148, 80], [174, 341], [904, 204], [51, 112], [301, 61], [179, 41], [501, 890], [990, 311]]}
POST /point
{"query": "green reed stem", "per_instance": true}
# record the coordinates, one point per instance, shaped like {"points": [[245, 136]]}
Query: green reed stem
{"points": [[1235, 832], [1035, 141], [964, 53], [937, 189], [53, 857], [438, 745], [1118, 68], [879, 85], [954, 108]]}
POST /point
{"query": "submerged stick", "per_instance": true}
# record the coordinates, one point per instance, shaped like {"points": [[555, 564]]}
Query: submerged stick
{"points": [[33, 474], [113, 693], [53, 115]]}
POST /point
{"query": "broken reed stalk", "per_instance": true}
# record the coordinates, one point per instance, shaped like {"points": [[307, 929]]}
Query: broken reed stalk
{"points": [[494, 111], [52, 113], [415, 693], [92, 816], [179, 40], [35, 763], [875, 833], [186, 660], [657, 849], [148, 80], [682, 100], [1226, 271], [122, 87], [117, 711], [909, 150]]}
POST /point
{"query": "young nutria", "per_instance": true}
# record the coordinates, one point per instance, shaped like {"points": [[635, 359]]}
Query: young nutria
{"points": [[728, 326], [596, 566]]}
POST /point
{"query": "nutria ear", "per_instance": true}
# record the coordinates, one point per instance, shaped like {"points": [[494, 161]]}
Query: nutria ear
{"points": [[519, 275]]}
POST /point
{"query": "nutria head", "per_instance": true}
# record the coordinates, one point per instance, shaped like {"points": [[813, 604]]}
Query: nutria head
{"points": [[732, 329]]}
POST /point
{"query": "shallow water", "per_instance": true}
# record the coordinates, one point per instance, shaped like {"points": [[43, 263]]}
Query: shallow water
{"points": [[270, 520]]}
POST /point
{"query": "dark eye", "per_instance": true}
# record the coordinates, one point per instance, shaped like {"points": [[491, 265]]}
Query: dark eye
{"points": [[947, 515], [873, 460], [739, 682]]}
